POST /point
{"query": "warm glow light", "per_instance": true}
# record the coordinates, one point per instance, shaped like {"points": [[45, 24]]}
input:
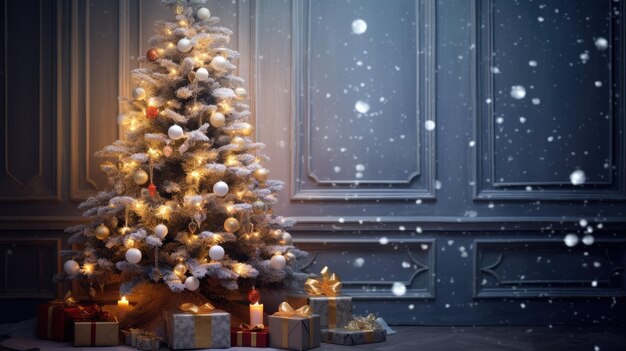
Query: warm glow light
{"points": [[151, 101], [88, 268], [195, 174], [160, 51], [129, 243], [164, 211], [123, 298], [224, 106], [153, 153], [230, 208], [124, 230], [217, 238], [231, 161], [170, 45], [133, 125]]}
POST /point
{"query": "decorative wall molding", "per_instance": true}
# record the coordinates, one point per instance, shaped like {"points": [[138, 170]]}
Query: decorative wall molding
{"points": [[486, 187], [305, 184], [39, 266], [523, 268], [26, 178], [417, 255]]}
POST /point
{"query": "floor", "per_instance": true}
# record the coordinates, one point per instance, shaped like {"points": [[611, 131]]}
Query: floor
{"points": [[438, 339]]}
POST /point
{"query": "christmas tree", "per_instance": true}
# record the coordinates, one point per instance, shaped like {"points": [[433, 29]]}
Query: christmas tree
{"points": [[190, 202]]}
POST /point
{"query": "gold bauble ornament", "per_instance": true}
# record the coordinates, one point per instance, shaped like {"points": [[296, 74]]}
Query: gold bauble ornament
{"points": [[140, 177], [290, 257], [261, 174], [102, 232], [241, 93], [247, 129], [231, 225], [180, 269], [239, 142]]}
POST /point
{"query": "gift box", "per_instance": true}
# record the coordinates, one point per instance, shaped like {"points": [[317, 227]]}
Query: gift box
{"points": [[94, 332], [343, 336], [197, 327], [322, 294], [148, 342], [55, 321], [246, 336], [334, 311], [294, 330]]}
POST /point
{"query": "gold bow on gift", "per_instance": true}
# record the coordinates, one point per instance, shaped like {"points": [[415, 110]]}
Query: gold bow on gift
{"points": [[285, 310], [195, 309], [251, 328], [364, 323], [328, 285], [68, 300]]}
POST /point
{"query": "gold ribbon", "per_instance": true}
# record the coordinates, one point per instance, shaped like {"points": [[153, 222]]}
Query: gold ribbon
{"points": [[285, 310], [195, 309], [368, 323], [203, 332], [252, 328], [329, 284]]}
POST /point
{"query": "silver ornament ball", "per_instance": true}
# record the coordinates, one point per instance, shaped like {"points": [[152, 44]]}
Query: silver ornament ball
{"points": [[220, 188], [203, 13], [192, 283], [184, 45], [133, 255], [219, 63], [160, 230], [175, 132], [278, 262], [202, 74], [217, 120], [216, 252], [139, 93], [71, 267]]}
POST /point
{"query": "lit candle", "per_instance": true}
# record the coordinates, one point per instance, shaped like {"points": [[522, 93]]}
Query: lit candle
{"points": [[122, 307], [256, 313]]}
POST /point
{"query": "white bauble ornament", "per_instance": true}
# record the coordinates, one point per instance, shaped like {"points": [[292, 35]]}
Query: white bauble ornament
{"points": [[192, 283], [184, 45], [217, 120], [241, 93], [287, 239], [175, 132], [278, 262], [219, 63], [203, 13], [139, 93], [133, 255], [220, 188], [216, 252], [161, 231], [140, 177], [122, 118], [202, 74], [71, 267]]}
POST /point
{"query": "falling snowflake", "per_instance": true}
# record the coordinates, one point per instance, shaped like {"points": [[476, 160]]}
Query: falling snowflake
{"points": [[398, 289], [601, 43], [571, 240], [518, 92], [383, 240], [532, 63], [588, 240], [359, 26], [362, 106], [358, 262], [429, 125], [578, 177], [536, 101], [598, 84]]}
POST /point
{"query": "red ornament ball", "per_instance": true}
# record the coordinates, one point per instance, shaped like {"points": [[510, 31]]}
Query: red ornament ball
{"points": [[152, 55], [254, 296], [152, 189], [152, 112]]}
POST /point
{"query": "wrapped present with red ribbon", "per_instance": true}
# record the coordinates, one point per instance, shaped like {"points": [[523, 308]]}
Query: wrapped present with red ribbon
{"points": [[249, 335], [55, 319], [96, 327]]}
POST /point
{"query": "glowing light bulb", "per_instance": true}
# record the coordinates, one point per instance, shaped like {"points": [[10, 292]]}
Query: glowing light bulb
{"points": [[88, 268], [195, 174]]}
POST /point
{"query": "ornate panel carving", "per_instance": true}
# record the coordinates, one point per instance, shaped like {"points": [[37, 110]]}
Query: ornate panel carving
{"points": [[548, 268], [94, 93], [30, 122], [544, 111], [369, 270], [376, 145], [27, 267]]}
